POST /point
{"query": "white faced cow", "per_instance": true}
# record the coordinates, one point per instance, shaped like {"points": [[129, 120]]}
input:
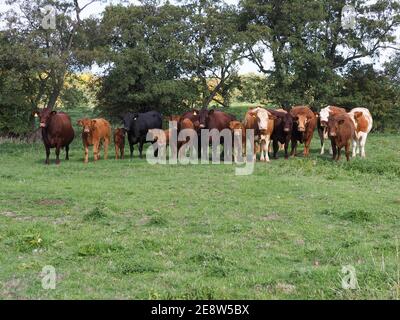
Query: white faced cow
{"points": [[363, 123], [265, 122], [324, 115]]}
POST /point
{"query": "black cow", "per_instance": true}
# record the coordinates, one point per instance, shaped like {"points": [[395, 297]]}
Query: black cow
{"points": [[283, 127], [137, 126]]}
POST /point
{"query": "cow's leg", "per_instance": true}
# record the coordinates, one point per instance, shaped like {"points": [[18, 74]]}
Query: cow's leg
{"points": [[116, 152], [96, 151], [141, 143], [322, 139], [334, 150], [354, 147], [348, 150], [47, 161], [131, 150], [122, 149], [58, 149], [339, 151], [294, 148], [67, 152], [363, 141], [106, 144], [275, 146], [86, 160]]}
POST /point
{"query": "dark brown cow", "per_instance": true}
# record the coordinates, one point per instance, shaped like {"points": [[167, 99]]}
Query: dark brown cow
{"points": [[341, 131], [119, 143], [304, 124], [57, 132], [214, 119], [283, 127]]}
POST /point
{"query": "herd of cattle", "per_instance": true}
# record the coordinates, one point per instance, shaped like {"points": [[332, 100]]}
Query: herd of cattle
{"points": [[281, 127]]}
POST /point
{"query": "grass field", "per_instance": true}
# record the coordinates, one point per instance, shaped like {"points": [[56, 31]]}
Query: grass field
{"points": [[129, 230]]}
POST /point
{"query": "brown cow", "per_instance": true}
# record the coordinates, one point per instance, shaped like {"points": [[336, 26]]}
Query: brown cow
{"points": [[322, 122], [193, 116], [304, 124], [119, 142], [341, 131], [57, 132], [94, 133]]}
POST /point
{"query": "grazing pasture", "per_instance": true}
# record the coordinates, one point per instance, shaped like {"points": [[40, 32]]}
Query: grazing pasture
{"points": [[126, 229]]}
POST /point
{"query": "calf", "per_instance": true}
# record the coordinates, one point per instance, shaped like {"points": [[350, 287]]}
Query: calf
{"points": [[57, 132], [94, 133], [119, 142], [239, 133], [363, 122], [322, 122], [304, 124], [282, 133], [341, 131]]}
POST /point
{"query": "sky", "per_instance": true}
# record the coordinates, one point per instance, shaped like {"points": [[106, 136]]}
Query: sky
{"points": [[247, 66]]}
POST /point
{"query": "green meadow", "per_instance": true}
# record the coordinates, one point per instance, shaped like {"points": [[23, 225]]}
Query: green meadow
{"points": [[130, 230]]}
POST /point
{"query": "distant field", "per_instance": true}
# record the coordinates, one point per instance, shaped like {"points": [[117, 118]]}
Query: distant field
{"points": [[121, 229]]}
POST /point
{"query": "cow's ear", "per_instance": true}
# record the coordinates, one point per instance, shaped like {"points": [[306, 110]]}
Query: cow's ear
{"points": [[53, 112], [195, 113], [211, 112], [93, 122], [358, 114], [35, 114], [79, 122]]}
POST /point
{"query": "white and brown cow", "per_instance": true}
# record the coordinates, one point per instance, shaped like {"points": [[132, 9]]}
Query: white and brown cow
{"points": [[265, 122], [323, 118], [363, 123]]}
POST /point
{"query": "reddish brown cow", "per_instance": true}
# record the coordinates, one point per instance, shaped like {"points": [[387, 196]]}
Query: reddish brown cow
{"points": [[94, 133], [119, 142], [341, 131], [57, 132], [304, 124]]}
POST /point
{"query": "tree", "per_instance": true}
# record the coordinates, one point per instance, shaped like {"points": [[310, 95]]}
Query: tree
{"points": [[51, 53], [309, 44], [215, 48], [144, 50]]}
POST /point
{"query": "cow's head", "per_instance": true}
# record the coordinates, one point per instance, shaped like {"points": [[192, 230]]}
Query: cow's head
{"points": [[301, 120], [204, 114], [334, 124], [129, 120], [87, 124], [44, 116], [287, 122]]}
